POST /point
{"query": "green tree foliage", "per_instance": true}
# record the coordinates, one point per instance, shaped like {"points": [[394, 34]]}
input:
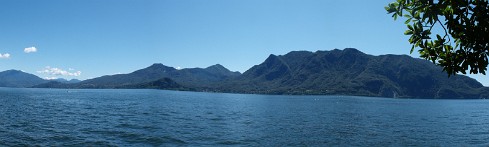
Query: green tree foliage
{"points": [[465, 41]]}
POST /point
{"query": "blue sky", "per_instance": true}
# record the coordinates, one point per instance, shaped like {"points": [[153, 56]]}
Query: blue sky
{"points": [[90, 38]]}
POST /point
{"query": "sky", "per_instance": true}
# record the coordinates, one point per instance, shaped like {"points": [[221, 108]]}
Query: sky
{"points": [[84, 39]]}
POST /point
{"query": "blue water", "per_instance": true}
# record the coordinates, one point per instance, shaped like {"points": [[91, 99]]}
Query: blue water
{"points": [[56, 117]]}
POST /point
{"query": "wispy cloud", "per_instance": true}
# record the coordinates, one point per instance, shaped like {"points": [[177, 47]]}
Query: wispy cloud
{"points": [[58, 71], [4, 56], [50, 78], [30, 50]]}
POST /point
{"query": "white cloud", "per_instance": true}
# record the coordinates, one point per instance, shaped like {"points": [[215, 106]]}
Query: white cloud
{"points": [[30, 50], [50, 78], [58, 71], [5, 56], [178, 68]]}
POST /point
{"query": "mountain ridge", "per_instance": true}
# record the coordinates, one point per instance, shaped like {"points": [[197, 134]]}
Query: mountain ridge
{"points": [[187, 77], [335, 72], [17, 79], [352, 72]]}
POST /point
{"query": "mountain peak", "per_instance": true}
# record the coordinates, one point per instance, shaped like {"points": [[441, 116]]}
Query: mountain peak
{"points": [[155, 69], [159, 66], [219, 69], [351, 50], [272, 56], [18, 78], [13, 71], [273, 60], [217, 66]]}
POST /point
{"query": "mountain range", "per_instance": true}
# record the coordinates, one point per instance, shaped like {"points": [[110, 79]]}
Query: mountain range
{"points": [[335, 72], [20, 79], [351, 72]]}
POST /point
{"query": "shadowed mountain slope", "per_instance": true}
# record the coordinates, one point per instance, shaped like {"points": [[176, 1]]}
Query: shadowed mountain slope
{"points": [[16, 78], [189, 77], [351, 72]]}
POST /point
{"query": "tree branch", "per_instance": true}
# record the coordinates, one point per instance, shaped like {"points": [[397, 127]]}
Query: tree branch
{"points": [[445, 29]]}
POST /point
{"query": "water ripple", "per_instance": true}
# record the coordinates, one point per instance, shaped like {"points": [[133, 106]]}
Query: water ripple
{"points": [[50, 117]]}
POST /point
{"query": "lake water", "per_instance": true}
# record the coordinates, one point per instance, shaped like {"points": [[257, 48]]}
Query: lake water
{"points": [[57, 117]]}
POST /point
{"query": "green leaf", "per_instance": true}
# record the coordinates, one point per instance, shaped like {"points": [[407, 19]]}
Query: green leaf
{"points": [[408, 32], [408, 20], [410, 27], [464, 23], [438, 37]]}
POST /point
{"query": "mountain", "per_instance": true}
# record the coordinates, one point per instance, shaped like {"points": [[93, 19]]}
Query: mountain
{"points": [[189, 77], [164, 83], [73, 81], [50, 84], [335, 72], [56, 83], [221, 71], [351, 72], [151, 73], [62, 80], [17, 78], [202, 78]]}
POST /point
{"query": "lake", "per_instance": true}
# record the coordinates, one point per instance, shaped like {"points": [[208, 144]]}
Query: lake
{"points": [[60, 117]]}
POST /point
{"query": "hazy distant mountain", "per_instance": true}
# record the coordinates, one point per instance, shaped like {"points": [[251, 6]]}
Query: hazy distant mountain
{"points": [[351, 72], [51, 84], [62, 80], [74, 81], [17, 78], [56, 83]]}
